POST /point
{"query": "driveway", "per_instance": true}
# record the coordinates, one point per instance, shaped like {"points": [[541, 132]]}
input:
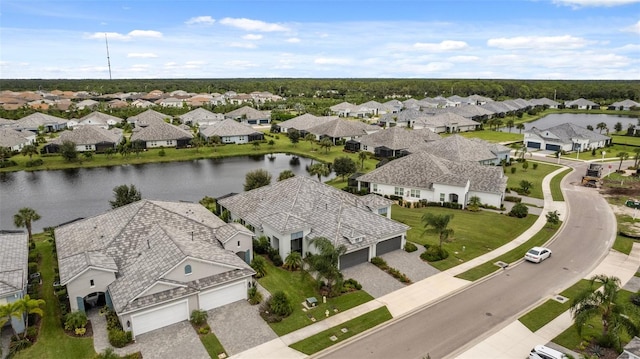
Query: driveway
{"points": [[239, 326], [410, 263], [374, 281]]}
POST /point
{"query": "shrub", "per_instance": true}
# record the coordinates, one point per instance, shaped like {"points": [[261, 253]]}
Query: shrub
{"points": [[513, 170], [162, 153], [119, 338], [261, 245], [34, 257], [254, 295], [379, 262], [410, 247], [519, 210], [34, 163], [32, 333], [275, 257], [204, 330], [198, 317], [434, 254], [635, 299], [260, 266], [113, 323], [515, 199], [293, 261], [33, 267], [280, 304], [535, 166], [75, 320], [17, 345], [267, 314], [351, 285], [80, 331]]}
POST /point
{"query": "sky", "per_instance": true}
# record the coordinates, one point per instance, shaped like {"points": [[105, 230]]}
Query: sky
{"points": [[506, 39]]}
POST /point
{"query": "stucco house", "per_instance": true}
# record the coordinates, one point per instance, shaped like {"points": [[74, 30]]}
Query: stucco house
{"points": [[342, 129], [565, 137], [154, 262], [231, 131], [162, 134], [542, 102], [15, 140], [582, 104], [87, 139], [424, 176], [624, 105], [99, 119], [201, 117], [249, 116], [14, 258], [292, 212], [303, 123], [36, 120], [458, 149], [393, 142], [447, 122]]}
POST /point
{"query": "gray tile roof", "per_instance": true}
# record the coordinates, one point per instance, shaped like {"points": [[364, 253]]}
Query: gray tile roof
{"points": [[623, 103], [544, 101], [580, 102], [227, 127], [100, 117], [422, 170], [148, 117], [302, 201], [10, 137], [305, 121], [14, 253], [142, 241], [200, 114], [38, 119], [411, 114], [567, 132], [445, 119], [398, 138], [457, 148], [160, 131], [249, 113], [90, 135], [6, 122], [340, 128]]}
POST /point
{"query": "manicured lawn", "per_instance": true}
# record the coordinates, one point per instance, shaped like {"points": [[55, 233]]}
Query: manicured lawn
{"points": [[53, 342], [551, 309], [494, 136], [212, 345], [534, 176], [625, 140], [354, 326], [556, 192], [610, 152], [475, 233], [513, 255], [623, 244], [298, 287]]}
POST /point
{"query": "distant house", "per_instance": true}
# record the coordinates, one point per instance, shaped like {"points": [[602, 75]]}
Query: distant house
{"points": [[459, 149], [447, 122], [154, 262], [624, 105], [582, 104], [99, 119], [147, 118], [545, 102], [36, 120], [87, 139], [141, 103], [565, 137], [292, 212], [343, 109], [231, 131], [393, 142], [162, 134], [423, 176], [303, 123], [250, 116], [14, 253], [342, 129], [201, 117], [15, 140], [90, 104]]}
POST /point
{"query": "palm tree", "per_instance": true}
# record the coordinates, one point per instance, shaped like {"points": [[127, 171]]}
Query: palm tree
{"points": [[28, 306], [326, 143], [520, 127], [325, 262], [603, 303], [24, 218], [622, 156], [636, 157], [293, 261], [8, 311], [319, 169], [310, 137], [439, 222], [474, 203], [362, 156], [29, 150], [510, 124], [601, 126], [522, 151]]}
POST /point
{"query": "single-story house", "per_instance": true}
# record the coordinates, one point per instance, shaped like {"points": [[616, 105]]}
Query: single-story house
{"points": [[231, 131], [15, 140], [303, 123], [36, 120], [393, 141], [343, 109], [154, 262], [342, 129], [162, 134], [99, 119], [147, 118], [14, 259], [292, 212], [624, 105], [447, 122], [87, 139], [457, 149], [581, 104], [545, 102], [201, 116], [565, 137], [250, 116], [88, 103], [423, 176]]}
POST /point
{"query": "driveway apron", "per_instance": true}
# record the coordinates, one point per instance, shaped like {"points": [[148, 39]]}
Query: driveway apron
{"points": [[410, 264], [373, 280]]}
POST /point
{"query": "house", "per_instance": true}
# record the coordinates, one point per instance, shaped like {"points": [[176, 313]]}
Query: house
{"points": [[565, 137], [99, 119], [292, 212], [459, 149], [170, 102], [303, 122], [162, 134], [15, 140], [36, 120], [545, 102], [250, 116], [631, 350], [423, 176], [91, 104], [582, 104], [87, 139], [142, 103], [343, 109], [393, 141], [147, 118], [14, 258], [447, 122], [154, 262], [404, 118], [624, 105], [231, 131], [342, 129], [201, 117]]}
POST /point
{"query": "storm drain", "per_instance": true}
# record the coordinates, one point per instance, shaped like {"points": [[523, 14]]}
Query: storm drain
{"points": [[560, 299], [501, 264]]}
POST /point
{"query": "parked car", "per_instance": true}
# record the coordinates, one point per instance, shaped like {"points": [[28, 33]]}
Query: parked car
{"points": [[537, 254], [542, 352], [92, 298]]}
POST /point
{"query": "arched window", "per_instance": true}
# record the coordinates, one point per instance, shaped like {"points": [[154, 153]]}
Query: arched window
{"points": [[187, 269]]}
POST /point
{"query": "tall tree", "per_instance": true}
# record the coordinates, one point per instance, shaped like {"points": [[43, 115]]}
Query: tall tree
{"points": [[344, 166], [440, 223], [618, 126], [510, 124], [605, 304], [601, 126], [520, 127], [636, 157], [319, 169], [311, 138], [325, 262], [124, 195], [294, 136], [362, 156], [256, 179], [29, 306], [622, 156], [29, 150], [68, 151], [24, 218], [326, 144]]}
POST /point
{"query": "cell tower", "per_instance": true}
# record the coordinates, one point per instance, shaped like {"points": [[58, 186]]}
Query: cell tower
{"points": [[108, 59]]}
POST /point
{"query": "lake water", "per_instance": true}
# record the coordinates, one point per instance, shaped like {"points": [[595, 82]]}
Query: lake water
{"points": [[582, 120], [64, 195]]}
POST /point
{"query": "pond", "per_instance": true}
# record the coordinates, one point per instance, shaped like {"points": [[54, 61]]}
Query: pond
{"points": [[64, 195]]}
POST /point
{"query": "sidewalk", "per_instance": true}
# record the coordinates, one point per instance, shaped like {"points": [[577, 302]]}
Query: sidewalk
{"points": [[412, 297]]}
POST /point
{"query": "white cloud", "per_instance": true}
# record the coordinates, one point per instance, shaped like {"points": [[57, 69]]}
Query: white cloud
{"points": [[293, 40], [331, 61], [252, 37], [252, 25], [237, 64], [594, 3], [200, 20], [538, 42], [142, 55], [463, 58], [243, 45], [635, 28], [125, 37], [145, 33], [446, 45]]}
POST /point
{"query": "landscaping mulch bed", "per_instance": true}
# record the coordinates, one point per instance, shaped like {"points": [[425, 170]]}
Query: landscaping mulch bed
{"points": [[87, 334]]}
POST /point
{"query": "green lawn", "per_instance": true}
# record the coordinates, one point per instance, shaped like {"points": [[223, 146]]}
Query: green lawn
{"points": [[298, 287], [53, 342], [212, 345], [551, 309], [494, 136], [610, 153], [625, 140], [513, 255], [354, 326], [556, 192], [534, 176], [623, 244], [478, 232]]}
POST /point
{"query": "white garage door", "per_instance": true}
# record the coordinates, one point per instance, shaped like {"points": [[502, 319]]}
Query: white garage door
{"points": [[159, 317], [222, 296]]}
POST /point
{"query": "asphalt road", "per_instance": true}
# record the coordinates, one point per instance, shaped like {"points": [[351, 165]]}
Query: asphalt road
{"points": [[450, 326]]}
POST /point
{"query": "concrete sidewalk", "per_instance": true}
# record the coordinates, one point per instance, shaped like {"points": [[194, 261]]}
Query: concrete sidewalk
{"points": [[412, 297]]}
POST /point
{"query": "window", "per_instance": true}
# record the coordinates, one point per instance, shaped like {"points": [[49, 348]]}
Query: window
{"points": [[441, 197], [92, 283], [382, 211], [238, 243], [296, 235], [187, 269], [398, 191], [374, 187], [128, 324], [415, 193]]}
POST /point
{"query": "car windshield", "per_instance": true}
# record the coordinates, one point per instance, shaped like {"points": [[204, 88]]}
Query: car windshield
{"points": [[534, 252]]}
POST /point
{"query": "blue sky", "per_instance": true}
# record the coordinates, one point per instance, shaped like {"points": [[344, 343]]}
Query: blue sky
{"points": [[520, 39]]}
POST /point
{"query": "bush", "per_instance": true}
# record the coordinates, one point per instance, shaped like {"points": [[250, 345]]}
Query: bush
{"points": [[410, 247], [267, 314], [379, 262], [34, 257], [17, 345], [513, 170], [635, 299], [162, 153], [204, 330], [113, 323], [434, 254], [119, 338], [80, 331], [260, 266], [275, 257], [261, 245], [254, 295], [280, 304], [535, 166], [34, 163], [75, 320], [351, 285], [519, 211], [32, 333], [198, 317], [33, 267], [515, 199]]}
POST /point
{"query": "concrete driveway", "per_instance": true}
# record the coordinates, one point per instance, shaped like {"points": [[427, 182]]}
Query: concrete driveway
{"points": [[374, 281], [410, 264]]}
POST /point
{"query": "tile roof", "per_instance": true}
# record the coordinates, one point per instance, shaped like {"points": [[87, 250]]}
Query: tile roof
{"points": [[38, 119], [305, 121], [457, 148], [160, 131], [399, 138], [10, 137], [100, 118], [14, 253], [422, 170], [567, 132], [580, 102], [544, 101], [90, 135], [445, 119], [249, 113], [142, 241], [626, 103], [147, 118], [200, 114], [303, 202], [340, 127], [227, 127]]}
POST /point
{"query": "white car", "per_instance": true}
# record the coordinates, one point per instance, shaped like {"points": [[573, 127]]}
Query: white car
{"points": [[537, 254], [543, 352]]}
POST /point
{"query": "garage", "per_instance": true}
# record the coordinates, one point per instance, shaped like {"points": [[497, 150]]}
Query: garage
{"points": [[388, 245], [223, 295], [159, 317], [531, 144], [354, 258], [551, 147]]}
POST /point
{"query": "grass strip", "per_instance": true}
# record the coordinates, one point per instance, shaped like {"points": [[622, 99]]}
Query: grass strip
{"points": [[354, 326], [513, 255], [212, 345], [556, 192]]}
